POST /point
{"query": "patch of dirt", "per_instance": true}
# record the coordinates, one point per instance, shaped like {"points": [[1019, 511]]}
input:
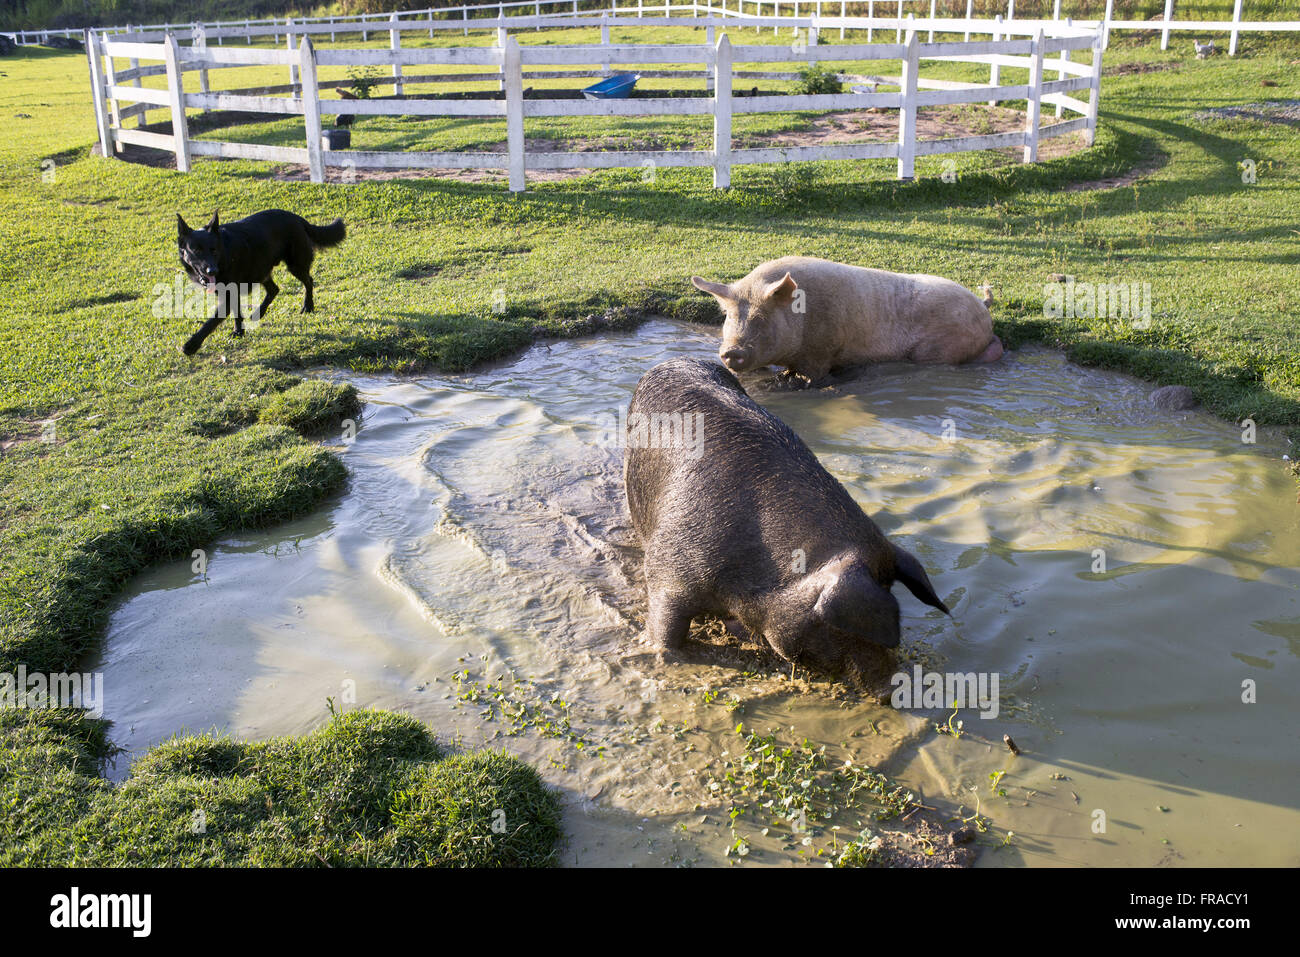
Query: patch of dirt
{"points": [[844, 127], [923, 840], [932, 123], [297, 173], [1286, 112], [43, 431], [1125, 179], [202, 123], [1124, 69]]}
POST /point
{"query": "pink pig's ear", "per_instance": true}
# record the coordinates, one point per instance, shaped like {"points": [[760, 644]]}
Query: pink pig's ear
{"points": [[718, 290], [782, 289]]}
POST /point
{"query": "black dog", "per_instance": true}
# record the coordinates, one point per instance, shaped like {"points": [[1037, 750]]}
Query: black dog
{"points": [[226, 259]]}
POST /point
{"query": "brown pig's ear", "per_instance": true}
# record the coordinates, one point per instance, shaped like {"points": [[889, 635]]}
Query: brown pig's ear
{"points": [[909, 571], [852, 601], [718, 290], [781, 289]]}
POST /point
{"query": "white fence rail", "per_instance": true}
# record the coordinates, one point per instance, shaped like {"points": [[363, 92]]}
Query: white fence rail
{"points": [[115, 101], [831, 13]]}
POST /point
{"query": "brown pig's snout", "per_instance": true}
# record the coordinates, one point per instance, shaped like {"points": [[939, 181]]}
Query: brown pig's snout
{"points": [[734, 358]]}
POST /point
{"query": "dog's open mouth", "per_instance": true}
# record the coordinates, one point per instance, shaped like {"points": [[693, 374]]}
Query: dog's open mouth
{"points": [[201, 278], [200, 275]]}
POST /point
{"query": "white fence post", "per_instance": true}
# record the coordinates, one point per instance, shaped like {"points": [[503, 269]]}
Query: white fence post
{"points": [[1164, 33], [395, 44], [1033, 107], [898, 34], [248, 37], [110, 81], [1094, 86], [907, 109], [932, 2], [722, 113], [1236, 19], [1105, 35], [100, 95], [199, 41], [843, 14], [311, 110], [1011, 9], [140, 117], [293, 67], [1065, 58], [604, 45], [511, 64], [995, 71], [502, 37], [176, 95], [709, 57], [970, 8]]}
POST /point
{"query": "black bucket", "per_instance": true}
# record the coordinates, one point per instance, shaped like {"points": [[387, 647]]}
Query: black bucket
{"points": [[336, 139]]}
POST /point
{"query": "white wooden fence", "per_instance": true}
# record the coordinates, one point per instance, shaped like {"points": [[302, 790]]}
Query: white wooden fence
{"points": [[824, 10], [115, 101]]}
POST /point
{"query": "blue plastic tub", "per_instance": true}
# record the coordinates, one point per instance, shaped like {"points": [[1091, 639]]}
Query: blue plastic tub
{"points": [[617, 87]]}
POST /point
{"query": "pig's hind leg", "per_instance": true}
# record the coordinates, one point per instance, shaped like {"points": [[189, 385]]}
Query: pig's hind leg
{"points": [[669, 621]]}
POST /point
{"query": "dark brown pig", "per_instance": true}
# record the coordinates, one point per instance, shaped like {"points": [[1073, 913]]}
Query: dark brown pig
{"points": [[745, 523]]}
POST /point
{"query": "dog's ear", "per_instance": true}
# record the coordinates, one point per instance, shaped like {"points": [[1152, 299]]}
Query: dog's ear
{"points": [[182, 229], [213, 225]]}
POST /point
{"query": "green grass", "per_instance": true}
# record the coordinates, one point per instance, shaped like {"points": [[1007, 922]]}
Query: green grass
{"points": [[370, 788], [150, 455]]}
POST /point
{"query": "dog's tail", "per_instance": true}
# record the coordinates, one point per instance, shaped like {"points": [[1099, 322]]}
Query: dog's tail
{"points": [[330, 235]]}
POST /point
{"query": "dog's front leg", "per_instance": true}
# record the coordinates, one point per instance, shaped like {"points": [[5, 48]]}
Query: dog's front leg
{"points": [[193, 343]]}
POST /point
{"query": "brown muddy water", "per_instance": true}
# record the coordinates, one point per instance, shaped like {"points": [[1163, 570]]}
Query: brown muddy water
{"points": [[478, 574]]}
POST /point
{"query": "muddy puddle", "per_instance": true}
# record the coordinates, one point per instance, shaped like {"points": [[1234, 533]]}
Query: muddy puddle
{"points": [[478, 573]]}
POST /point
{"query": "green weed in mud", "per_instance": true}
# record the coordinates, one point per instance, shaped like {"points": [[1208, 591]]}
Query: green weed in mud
{"points": [[512, 701], [795, 791], [948, 727]]}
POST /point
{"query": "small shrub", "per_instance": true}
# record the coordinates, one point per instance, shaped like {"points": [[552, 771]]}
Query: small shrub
{"points": [[364, 79], [816, 79], [793, 182]]}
